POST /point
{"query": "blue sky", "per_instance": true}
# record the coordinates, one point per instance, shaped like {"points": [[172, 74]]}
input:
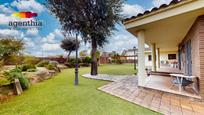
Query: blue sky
{"points": [[45, 41]]}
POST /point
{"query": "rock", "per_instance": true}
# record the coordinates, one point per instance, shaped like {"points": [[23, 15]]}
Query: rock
{"points": [[10, 93], [17, 87]]}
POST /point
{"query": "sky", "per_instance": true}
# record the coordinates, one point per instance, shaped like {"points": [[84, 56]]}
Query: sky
{"points": [[45, 41]]}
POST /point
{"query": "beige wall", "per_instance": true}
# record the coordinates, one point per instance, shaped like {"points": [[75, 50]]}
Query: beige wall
{"points": [[196, 35], [193, 35], [201, 52], [163, 57]]}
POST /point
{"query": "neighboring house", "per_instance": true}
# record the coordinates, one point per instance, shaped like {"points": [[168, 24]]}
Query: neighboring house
{"points": [[167, 58], [104, 58], [178, 27]]}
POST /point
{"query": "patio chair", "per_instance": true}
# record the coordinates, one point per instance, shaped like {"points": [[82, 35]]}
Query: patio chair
{"points": [[185, 82]]}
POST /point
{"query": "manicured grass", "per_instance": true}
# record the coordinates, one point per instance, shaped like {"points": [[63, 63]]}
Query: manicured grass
{"points": [[123, 69], [58, 96]]}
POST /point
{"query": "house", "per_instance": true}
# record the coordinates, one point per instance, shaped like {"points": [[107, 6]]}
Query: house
{"points": [[104, 58], [167, 58], [176, 27]]}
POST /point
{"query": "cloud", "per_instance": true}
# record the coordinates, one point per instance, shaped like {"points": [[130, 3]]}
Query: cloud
{"points": [[157, 3], [9, 32], [50, 47], [29, 42], [4, 19], [5, 9], [58, 33], [28, 5], [32, 32], [51, 37], [132, 10], [120, 41]]}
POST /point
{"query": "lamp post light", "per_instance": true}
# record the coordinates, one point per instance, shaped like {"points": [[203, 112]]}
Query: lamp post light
{"points": [[76, 66], [134, 48]]}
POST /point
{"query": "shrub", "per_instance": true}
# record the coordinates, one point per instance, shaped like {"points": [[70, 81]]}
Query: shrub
{"points": [[84, 64], [43, 63], [31, 70], [50, 66], [118, 61], [55, 63], [12, 74], [25, 67], [86, 60], [1, 64], [31, 60], [17, 73], [69, 65], [72, 62], [4, 81], [13, 60], [24, 82]]}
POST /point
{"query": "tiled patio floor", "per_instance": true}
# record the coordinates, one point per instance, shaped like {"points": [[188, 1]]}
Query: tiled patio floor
{"points": [[166, 103]]}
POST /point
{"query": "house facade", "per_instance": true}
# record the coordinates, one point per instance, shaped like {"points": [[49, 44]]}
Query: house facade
{"points": [[166, 58], [177, 27]]}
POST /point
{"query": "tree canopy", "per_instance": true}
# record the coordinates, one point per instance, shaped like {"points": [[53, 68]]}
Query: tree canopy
{"points": [[10, 46], [69, 45], [94, 20]]}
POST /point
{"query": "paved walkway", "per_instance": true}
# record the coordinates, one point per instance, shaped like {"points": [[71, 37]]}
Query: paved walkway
{"points": [[108, 77], [166, 103]]}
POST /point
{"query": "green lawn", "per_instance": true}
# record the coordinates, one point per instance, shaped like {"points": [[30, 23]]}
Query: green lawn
{"points": [[58, 96], [124, 69]]}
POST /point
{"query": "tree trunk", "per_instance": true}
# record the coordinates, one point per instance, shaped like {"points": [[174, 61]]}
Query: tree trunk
{"points": [[94, 64], [68, 57]]}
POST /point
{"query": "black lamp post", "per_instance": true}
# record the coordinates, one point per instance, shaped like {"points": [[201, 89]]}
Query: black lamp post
{"points": [[76, 66], [134, 48]]}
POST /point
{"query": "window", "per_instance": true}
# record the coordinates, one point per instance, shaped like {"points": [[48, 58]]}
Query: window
{"points": [[149, 58], [171, 56]]}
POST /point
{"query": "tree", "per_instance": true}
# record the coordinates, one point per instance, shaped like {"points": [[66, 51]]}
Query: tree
{"points": [[69, 45], [83, 53], [94, 20], [10, 46], [97, 56]]}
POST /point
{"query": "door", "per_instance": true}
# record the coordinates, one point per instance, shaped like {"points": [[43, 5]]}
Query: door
{"points": [[188, 58]]}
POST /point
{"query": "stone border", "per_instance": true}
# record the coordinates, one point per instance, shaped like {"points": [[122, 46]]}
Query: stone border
{"points": [[107, 77]]}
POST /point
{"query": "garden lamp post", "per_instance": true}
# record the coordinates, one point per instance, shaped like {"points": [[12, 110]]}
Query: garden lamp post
{"points": [[134, 49], [76, 66]]}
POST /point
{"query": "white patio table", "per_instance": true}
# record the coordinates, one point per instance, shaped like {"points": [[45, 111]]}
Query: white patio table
{"points": [[180, 77]]}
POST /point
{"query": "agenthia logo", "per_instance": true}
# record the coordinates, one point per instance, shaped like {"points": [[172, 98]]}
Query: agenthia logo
{"points": [[24, 14], [25, 20]]}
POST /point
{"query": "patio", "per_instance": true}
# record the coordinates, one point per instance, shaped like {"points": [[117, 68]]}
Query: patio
{"points": [[164, 83], [163, 102], [176, 27]]}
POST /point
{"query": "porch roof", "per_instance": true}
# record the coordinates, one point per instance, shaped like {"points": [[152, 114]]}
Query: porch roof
{"points": [[167, 26]]}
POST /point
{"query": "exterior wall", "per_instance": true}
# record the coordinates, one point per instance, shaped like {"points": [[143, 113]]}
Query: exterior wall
{"points": [[201, 52], [163, 58], [193, 35], [196, 35]]}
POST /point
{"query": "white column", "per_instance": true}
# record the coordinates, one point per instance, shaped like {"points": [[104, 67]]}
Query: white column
{"points": [[153, 47], [158, 58], [141, 58]]}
